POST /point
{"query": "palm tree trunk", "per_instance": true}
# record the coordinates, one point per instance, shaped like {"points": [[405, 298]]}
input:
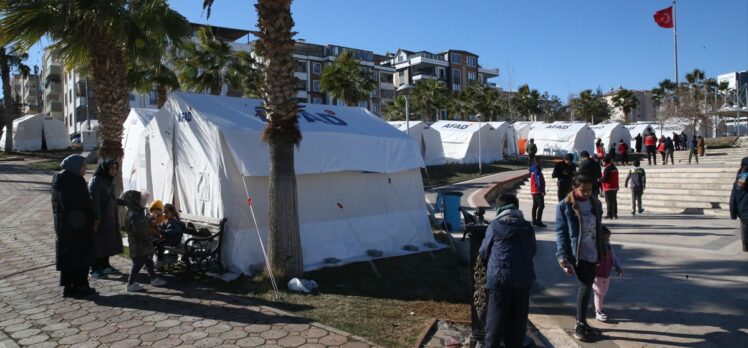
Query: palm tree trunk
{"points": [[160, 96], [10, 109], [275, 46]]}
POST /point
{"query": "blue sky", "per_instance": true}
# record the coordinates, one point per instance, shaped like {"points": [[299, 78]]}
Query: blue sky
{"points": [[557, 46]]}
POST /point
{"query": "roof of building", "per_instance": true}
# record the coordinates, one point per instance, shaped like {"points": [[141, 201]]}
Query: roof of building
{"points": [[228, 34]]}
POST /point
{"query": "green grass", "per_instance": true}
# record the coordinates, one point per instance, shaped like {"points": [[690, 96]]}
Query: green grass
{"points": [[351, 298], [435, 176]]}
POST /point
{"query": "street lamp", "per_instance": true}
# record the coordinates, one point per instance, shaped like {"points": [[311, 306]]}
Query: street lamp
{"points": [[480, 162], [404, 89]]}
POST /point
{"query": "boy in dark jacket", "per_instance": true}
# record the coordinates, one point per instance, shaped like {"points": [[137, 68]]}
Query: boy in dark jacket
{"points": [[537, 190], [739, 201], [638, 179], [509, 247], [141, 248], [590, 168], [609, 183], [564, 172], [532, 149]]}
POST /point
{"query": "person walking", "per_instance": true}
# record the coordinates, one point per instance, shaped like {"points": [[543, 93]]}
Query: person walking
{"points": [[610, 188], [532, 149], [600, 148], [579, 246], [669, 150], [590, 168], [661, 149], [650, 143], [638, 143], [508, 247], [537, 190], [692, 152], [612, 151], [600, 286], [684, 140], [73, 218], [637, 178], [623, 148], [139, 241], [739, 201], [701, 146], [106, 225], [676, 141], [564, 172]]}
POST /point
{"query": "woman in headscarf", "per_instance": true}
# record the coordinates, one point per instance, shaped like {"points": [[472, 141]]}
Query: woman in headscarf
{"points": [[73, 220], [107, 227]]}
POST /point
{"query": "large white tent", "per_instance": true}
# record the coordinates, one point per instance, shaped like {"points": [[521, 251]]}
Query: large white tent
{"points": [[560, 138], [462, 140], [675, 125], [429, 141], [35, 132], [522, 129], [612, 132], [359, 183], [507, 137], [135, 174], [636, 129]]}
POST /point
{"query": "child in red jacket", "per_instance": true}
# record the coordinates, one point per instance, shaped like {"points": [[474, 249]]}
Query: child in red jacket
{"points": [[600, 286]]}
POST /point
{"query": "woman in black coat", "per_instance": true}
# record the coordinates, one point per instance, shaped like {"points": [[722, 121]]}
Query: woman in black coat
{"points": [[108, 236], [73, 220]]}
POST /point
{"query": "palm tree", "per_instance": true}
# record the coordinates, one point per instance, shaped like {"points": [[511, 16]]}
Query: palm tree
{"points": [[346, 81], [696, 77], [10, 59], [394, 110], [275, 47], [488, 102], [527, 101], [590, 105], [98, 35], [429, 96], [244, 75], [202, 66], [626, 100], [142, 79]]}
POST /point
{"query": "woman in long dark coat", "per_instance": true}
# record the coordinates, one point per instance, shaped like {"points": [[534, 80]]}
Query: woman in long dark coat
{"points": [[107, 234], [73, 220]]}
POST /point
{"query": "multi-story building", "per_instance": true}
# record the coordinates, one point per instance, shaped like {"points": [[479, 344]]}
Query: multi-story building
{"points": [[456, 68], [79, 101], [26, 91], [644, 110], [52, 83], [737, 81]]}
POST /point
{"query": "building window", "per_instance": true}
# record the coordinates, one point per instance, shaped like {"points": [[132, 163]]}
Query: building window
{"points": [[315, 85], [317, 68], [385, 78], [363, 103], [456, 76], [301, 67], [317, 101], [401, 77], [456, 58], [472, 61], [471, 77], [375, 108], [301, 84], [456, 87], [152, 97], [441, 74]]}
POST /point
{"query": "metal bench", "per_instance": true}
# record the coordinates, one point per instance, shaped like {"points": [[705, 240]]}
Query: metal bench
{"points": [[201, 251]]}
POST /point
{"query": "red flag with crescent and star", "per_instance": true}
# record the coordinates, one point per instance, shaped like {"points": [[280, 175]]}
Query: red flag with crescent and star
{"points": [[664, 17]]}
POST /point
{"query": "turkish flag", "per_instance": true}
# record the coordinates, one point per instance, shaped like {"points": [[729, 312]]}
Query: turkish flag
{"points": [[664, 17]]}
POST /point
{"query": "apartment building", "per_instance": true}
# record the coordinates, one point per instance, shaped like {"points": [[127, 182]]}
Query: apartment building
{"points": [[52, 92], [737, 80], [644, 110], [457, 68], [27, 92]]}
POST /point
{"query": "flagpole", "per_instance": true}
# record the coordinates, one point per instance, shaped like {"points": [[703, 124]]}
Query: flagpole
{"points": [[675, 43]]}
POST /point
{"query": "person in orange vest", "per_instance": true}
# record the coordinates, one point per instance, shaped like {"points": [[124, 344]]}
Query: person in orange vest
{"points": [[623, 148], [600, 148], [537, 190], [610, 188], [650, 143]]}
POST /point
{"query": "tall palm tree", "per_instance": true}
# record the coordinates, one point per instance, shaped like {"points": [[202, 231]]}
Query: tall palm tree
{"points": [[10, 59], [590, 106], [626, 100], [695, 77], [394, 110], [429, 96], [488, 102], [275, 47], [243, 74], [202, 66], [346, 81], [527, 101], [98, 35], [143, 78]]}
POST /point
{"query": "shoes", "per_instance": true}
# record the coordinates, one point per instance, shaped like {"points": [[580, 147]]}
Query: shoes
{"points": [[80, 293], [601, 316], [134, 287], [616, 217], [633, 213], [110, 270], [68, 292], [641, 211], [98, 274], [540, 224], [158, 282], [585, 333]]}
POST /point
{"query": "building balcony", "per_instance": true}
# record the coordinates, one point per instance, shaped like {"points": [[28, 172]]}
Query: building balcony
{"points": [[421, 60], [424, 76], [53, 70], [53, 107], [489, 73]]}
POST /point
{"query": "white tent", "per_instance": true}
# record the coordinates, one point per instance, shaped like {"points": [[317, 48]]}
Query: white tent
{"points": [[560, 138], [359, 183], [429, 141], [507, 137], [673, 126], [636, 129], [461, 142], [523, 128], [33, 132], [612, 133], [135, 174]]}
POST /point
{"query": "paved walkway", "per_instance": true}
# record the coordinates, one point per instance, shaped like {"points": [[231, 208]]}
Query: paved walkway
{"points": [[184, 314]]}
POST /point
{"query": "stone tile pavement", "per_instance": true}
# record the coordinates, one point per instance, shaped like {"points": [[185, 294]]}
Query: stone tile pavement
{"points": [[182, 314]]}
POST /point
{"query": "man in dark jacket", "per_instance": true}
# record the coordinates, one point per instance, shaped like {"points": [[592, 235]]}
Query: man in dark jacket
{"points": [[591, 169], [609, 183], [676, 141], [638, 180], [638, 143], [74, 223], [650, 142], [532, 149], [564, 172], [739, 201], [509, 247]]}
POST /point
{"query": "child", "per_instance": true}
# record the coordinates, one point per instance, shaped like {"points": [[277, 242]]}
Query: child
{"points": [[607, 261], [155, 217], [638, 179], [141, 248], [170, 232]]}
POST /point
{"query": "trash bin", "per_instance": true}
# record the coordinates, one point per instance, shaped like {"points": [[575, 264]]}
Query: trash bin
{"points": [[452, 210]]}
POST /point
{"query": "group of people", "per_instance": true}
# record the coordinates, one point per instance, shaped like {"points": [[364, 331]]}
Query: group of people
{"points": [[583, 246], [87, 227], [616, 152], [666, 146]]}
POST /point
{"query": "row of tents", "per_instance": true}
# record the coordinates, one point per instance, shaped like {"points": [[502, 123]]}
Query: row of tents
{"points": [[37, 132]]}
